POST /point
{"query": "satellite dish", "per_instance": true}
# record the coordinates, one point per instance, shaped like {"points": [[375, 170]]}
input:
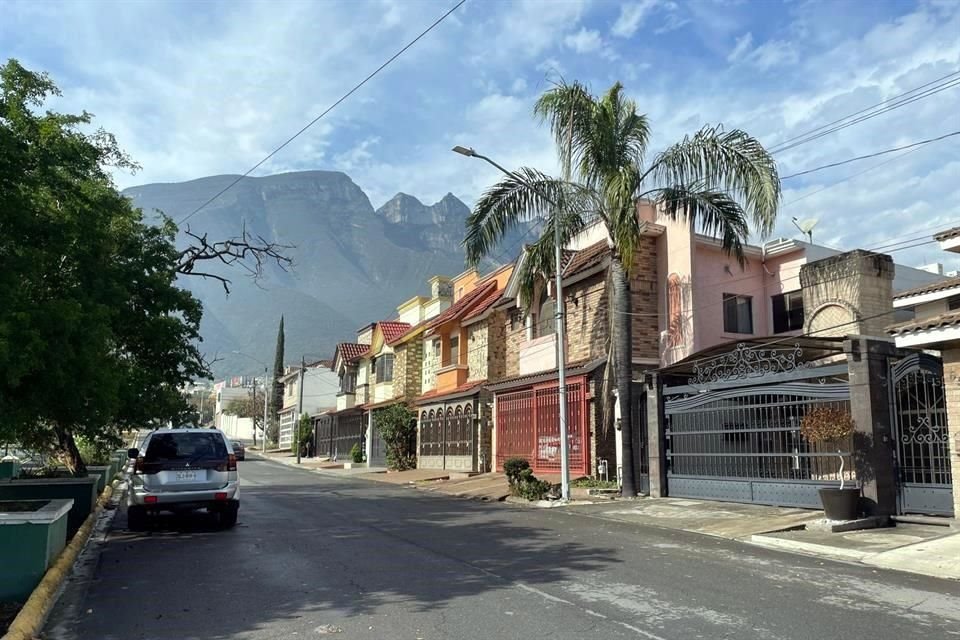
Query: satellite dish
{"points": [[806, 226]]}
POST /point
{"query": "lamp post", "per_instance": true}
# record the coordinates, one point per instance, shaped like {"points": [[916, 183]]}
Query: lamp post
{"points": [[266, 396], [561, 334]]}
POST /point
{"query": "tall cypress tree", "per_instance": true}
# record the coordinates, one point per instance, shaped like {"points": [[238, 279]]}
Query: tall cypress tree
{"points": [[276, 400]]}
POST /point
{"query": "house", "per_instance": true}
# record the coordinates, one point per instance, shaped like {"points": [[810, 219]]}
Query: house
{"points": [[320, 386], [929, 395], [462, 349], [526, 408], [360, 393]]}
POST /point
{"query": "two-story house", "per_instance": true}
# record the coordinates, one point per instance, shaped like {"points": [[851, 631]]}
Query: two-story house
{"points": [[463, 348], [337, 431], [320, 387], [526, 401]]}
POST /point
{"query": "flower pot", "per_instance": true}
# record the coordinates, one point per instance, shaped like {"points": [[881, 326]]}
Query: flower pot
{"points": [[840, 504]]}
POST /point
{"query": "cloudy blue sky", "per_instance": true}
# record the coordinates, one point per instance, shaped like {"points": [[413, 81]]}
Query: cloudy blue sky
{"points": [[200, 88]]}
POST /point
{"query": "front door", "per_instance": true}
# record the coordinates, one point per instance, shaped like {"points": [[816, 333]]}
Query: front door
{"points": [[919, 410]]}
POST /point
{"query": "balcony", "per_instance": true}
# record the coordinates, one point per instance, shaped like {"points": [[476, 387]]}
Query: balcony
{"points": [[451, 376], [346, 400], [539, 354]]}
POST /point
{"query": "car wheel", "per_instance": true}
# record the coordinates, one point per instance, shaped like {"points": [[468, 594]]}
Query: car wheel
{"points": [[228, 518], [136, 518]]}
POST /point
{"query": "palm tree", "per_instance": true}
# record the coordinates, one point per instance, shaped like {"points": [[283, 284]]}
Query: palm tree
{"points": [[720, 181]]}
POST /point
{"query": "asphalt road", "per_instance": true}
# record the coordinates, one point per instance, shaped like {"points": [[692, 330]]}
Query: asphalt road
{"points": [[314, 556]]}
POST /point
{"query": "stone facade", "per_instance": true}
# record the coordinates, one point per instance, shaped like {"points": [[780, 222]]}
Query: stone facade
{"points": [[400, 356], [848, 294], [429, 366], [478, 344], [951, 385]]}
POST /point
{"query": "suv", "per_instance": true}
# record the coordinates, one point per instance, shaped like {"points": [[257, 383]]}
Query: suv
{"points": [[184, 470]]}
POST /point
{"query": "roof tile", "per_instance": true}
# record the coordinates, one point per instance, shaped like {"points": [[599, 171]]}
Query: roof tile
{"points": [[932, 287], [464, 305], [946, 235], [586, 258], [352, 350], [393, 330], [943, 320]]}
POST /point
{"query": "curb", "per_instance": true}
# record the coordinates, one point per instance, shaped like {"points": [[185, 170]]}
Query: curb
{"points": [[30, 619], [809, 548]]}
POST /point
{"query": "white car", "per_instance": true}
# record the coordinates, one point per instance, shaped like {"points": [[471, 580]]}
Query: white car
{"points": [[184, 470]]}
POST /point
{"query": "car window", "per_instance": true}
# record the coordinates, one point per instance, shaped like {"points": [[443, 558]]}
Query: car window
{"points": [[185, 446]]}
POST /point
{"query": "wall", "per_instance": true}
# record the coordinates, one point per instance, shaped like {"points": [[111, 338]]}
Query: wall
{"points": [[237, 428], [428, 377], [848, 294], [320, 386], [951, 384], [411, 311], [477, 351], [675, 283]]}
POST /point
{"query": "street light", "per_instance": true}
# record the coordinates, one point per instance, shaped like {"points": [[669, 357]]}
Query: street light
{"points": [[266, 395], [561, 334]]}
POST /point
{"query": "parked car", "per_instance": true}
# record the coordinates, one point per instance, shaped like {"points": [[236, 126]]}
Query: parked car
{"points": [[184, 470], [239, 450]]}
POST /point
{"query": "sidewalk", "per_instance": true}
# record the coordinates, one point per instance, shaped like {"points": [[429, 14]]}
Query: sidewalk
{"points": [[916, 548], [318, 465]]}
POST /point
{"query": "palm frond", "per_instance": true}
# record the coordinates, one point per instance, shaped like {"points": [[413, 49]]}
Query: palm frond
{"points": [[568, 108], [715, 211], [719, 160]]}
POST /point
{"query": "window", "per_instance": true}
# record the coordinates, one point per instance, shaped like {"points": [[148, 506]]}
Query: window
{"points": [[435, 347], [348, 382], [454, 355], [385, 368], [546, 318], [953, 303], [188, 446], [737, 313], [787, 312]]}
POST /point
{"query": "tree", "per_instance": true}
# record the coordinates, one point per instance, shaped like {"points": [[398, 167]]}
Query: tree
{"points": [[397, 426], [247, 407], [305, 435], [95, 336], [718, 180], [276, 399]]}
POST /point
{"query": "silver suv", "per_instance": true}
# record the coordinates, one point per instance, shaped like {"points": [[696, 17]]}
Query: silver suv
{"points": [[184, 470]]}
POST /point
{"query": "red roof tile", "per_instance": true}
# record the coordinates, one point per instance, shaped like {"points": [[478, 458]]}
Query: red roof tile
{"points": [[464, 305], [392, 330], [350, 351], [415, 329], [488, 301], [586, 258]]}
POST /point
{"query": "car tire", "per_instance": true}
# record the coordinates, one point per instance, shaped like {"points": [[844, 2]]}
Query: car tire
{"points": [[136, 518], [228, 518]]}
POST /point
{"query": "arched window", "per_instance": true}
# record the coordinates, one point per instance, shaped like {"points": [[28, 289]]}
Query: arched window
{"points": [[546, 318]]}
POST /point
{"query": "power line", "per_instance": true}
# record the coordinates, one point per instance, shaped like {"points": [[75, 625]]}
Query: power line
{"points": [[870, 112], [872, 155], [325, 112]]}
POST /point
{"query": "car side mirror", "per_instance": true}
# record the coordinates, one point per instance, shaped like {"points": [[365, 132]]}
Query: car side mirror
{"points": [[133, 453]]}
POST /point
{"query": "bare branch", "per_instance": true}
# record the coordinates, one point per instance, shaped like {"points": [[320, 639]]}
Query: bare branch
{"points": [[250, 252]]}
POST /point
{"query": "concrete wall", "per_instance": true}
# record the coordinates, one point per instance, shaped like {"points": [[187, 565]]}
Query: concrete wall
{"points": [[850, 293], [951, 384], [237, 428]]}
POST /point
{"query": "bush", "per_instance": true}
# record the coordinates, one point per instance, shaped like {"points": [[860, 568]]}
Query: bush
{"points": [[523, 483], [356, 453], [95, 452], [595, 483], [826, 424], [397, 426], [513, 467]]}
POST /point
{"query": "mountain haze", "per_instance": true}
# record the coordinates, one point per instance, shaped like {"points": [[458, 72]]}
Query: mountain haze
{"points": [[352, 264]]}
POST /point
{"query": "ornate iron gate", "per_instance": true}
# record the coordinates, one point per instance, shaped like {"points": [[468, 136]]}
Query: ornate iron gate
{"points": [[919, 412]]}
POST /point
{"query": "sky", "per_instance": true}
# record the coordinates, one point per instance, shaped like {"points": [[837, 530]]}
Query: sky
{"points": [[195, 88]]}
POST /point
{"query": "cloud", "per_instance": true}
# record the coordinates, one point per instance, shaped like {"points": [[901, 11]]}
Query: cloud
{"points": [[584, 41], [631, 17], [519, 85], [772, 53]]}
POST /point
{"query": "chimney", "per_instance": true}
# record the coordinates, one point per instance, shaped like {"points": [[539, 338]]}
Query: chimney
{"points": [[848, 294]]}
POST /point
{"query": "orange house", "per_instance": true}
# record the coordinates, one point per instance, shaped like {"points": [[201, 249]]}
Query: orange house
{"points": [[463, 349]]}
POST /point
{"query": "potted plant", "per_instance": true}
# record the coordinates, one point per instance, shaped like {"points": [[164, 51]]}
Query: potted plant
{"points": [[829, 426]]}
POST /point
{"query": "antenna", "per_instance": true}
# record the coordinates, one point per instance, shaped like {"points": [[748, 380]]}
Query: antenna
{"points": [[806, 226]]}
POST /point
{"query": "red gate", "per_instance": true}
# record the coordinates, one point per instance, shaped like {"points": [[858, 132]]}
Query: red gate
{"points": [[528, 426]]}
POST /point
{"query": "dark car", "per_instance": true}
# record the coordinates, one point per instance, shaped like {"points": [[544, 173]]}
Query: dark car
{"points": [[238, 450]]}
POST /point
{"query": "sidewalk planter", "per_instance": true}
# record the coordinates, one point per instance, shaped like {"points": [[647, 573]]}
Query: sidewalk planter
{"points": [[840, 504], [32, 535], [9, 469], [82, 491], [102, 470]]}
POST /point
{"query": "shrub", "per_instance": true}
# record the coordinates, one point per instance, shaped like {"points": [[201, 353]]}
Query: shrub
{"points": [[397, 426], [513, 467], [595, 483], [356, 453], [826, 424], [96, 451]]}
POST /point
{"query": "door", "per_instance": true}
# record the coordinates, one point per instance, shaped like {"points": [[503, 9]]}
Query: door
{"points": [[919, 410]]}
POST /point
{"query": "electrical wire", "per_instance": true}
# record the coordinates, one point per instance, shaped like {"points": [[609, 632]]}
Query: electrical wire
{"points": [[349, 93]]}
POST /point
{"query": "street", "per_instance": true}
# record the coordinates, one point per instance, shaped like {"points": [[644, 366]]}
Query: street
{"points": [[314, 555]]}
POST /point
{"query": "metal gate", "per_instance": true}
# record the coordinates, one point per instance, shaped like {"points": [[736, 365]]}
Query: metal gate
{"points": [[448, 438], [528, 426], [919, 409], [641, 448], [743, 444]]}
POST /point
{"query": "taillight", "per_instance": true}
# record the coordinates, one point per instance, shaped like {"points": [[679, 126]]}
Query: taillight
{"points": [[220, 495], [231, 462], [138, 465], [150, 500]]}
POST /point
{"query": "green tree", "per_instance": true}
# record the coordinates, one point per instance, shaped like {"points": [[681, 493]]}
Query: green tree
{"points": [[95, 337], [276, 398], [720, 181], [247, 407], [397, 426], [305, 435]]}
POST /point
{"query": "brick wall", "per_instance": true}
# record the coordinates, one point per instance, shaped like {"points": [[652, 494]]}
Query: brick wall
{"points": [[400, 371], [643, 289], [413, 369], [477, 344], [847, 293], [496, 346], [951, 384], [515, 334]]}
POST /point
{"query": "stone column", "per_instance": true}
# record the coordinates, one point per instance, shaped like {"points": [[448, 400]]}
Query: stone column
{"points": [[656, 444], [867, 360], [951, 387]]}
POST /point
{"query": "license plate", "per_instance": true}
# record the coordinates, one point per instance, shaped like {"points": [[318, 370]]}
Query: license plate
{"points": [[186, 475]]}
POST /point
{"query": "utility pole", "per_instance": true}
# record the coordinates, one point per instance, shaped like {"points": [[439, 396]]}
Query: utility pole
{"points": [[201, 410], [253, 410], [296, 424], [561, 332], [266, 396]]}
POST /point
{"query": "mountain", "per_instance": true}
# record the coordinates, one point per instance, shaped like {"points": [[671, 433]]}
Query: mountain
{"points": [[352, 264]]}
